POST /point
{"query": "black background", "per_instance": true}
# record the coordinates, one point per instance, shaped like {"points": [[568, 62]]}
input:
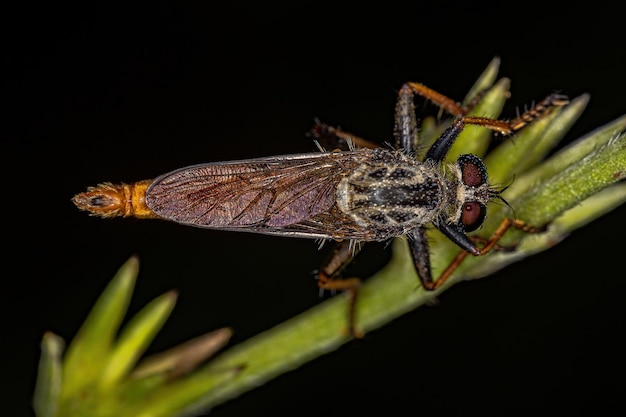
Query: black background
{"points": [[123, 93]]}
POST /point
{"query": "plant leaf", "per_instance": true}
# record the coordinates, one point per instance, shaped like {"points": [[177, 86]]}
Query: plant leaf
{"points": [[49, 376], [89, 351]]}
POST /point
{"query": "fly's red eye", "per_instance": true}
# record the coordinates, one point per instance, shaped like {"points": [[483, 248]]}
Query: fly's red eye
{"points": [[473, 171], [473, 215]]}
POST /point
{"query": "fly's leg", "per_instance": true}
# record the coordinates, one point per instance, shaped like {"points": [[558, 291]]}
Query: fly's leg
{"points": [[443, 102], [406, 123], [406, 137], [335, 138], [421, 259], [406, 131], [328, 279], [406, 128], [442, 145], [500, 248], [418, 245], [489, 245], [456, 232]]}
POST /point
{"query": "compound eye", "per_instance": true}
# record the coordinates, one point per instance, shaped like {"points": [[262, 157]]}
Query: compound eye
{"points": [[473, 215], [473, 171]]}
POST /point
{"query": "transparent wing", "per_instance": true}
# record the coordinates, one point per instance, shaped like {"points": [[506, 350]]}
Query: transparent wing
{"points": [[292, 194]]}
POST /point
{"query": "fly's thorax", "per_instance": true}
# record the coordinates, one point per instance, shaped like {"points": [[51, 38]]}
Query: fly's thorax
{"points": [[391, 193]]}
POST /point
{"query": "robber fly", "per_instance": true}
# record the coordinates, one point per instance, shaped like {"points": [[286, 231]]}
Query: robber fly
{"points": [[359, 194]]}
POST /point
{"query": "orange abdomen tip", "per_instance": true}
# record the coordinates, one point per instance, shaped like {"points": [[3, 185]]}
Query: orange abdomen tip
{"points": [[116, 200]]}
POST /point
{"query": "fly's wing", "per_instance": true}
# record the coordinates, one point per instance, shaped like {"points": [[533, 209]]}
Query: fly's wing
{"points": [[292, 195]]}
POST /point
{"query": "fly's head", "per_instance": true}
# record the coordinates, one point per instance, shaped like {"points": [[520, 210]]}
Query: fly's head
{"points": [[472, 193]]}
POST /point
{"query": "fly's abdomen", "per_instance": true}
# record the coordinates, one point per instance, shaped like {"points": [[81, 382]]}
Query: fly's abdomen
{"points": [[392, 193]]}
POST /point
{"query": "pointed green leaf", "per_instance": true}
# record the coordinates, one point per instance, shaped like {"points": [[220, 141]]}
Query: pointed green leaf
{"points": [[49, 376], [566, 157], [484, 81], [185, 357], [158, 386], [135, 338], [89, 350], [596, 171]]}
